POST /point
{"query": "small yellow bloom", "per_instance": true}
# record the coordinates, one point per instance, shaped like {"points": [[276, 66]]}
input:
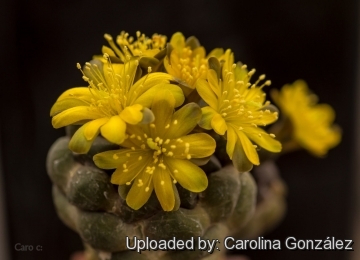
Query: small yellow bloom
{"points": [[312, 123], [188, 60], [158, 155], [236, 108], [114, 98], [126, 46]]}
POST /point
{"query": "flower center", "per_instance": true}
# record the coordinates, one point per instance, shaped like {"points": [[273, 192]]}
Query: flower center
{"points": [[242, 99], [139, 47], [109, 91], [191, 67]]}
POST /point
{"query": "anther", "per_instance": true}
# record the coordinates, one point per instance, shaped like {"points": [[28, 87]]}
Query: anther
{"points": [[162, 166], [251, 72], [108, 37]]}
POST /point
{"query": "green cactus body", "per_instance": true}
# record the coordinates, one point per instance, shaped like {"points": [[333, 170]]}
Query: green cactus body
{"points": [[89, 204]]}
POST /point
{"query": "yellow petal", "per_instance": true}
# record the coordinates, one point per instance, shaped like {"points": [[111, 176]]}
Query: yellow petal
{"points": [[189, 176], [164, 188], [163, 109], [132, 114], [265, 118], [147, 97], [177, 198], [200, 53], [186, 119], [92, 128], [145, 83], [132, 168], [322, 114], [78, 92], [207, 115], [66, 103], [214, 82], [241, 74], [178, 41], [228, 57], [199, 145], [114, 130], [216, 53], [74, 115], [262, 138], [249, 148], [168, 67], [240, 160], [206, 93], [79, 143], [140, 191], [108, 51], [114, 159], [231, 141], [218, 124], [130, 68], [136, 136], [109, 72]]}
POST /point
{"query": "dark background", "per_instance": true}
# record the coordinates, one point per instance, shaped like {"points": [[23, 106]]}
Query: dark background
{"points": [[41, 41]]}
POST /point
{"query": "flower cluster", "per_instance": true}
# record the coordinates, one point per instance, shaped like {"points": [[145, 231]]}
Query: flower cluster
{"points": [[164, 104]]}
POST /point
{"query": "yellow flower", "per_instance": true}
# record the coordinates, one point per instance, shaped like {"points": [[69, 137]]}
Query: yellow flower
{"points": [[158, 155], [113, 99], [312, 123], [236, 108], [188, 60], [149, 50]]}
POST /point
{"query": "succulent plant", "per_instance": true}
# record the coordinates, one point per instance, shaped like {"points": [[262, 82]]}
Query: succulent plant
{"points": [[88, 203], [182, 130]]}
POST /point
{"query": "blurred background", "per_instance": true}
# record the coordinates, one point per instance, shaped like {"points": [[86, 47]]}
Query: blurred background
{"points": [[41, 42]]}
